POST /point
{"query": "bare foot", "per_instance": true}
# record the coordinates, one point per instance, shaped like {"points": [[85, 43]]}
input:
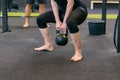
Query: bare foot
{"points": [[25, 25], [77, 57], [44, 48]]}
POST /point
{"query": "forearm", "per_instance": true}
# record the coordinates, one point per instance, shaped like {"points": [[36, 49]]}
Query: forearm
{"points": [[55, 10], [69, 8]]}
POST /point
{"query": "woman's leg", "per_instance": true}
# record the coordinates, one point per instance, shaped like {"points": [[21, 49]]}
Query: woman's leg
{"points": [[48, 45], [77, 45], [27, 14], [42, 21], [41, 8], [76, 17]]}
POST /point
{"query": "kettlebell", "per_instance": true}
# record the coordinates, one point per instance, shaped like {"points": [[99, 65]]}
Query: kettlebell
{"points": [[61, 38]]}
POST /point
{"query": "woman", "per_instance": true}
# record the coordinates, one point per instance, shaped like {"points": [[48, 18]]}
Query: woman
{"points": [[66, 14]]}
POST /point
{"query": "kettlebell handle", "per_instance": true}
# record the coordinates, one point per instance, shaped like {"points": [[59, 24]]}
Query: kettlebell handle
{"points": [[58, 32]]}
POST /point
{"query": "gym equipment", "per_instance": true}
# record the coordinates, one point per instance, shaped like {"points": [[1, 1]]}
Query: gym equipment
{"points": [[61, 38], [104, 14], [96, 27], [5, 27], [116, 37], [99, 27]]}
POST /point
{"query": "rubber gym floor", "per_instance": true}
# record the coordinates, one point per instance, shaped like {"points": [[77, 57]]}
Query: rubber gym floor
{"points": [[19, 61]]}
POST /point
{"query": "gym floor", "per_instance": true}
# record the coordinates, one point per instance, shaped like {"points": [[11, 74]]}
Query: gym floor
{"points": [[19, 61]]}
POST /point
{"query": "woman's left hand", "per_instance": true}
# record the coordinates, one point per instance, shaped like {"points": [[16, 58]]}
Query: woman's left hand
{"points": [[63, 26]]}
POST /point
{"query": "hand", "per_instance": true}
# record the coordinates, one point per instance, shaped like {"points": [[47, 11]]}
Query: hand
{"points": [[63, 26], [58, 24]]}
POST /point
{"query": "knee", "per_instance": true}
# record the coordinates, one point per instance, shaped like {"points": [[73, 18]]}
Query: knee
{"points": [[72, 27], [40, 22]]}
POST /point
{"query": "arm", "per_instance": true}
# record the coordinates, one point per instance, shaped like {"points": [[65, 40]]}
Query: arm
{"points": [[69, 8], [55, 10]]}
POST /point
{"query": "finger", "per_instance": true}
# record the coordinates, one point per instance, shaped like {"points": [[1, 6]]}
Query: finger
{"points": [[57, 28], [64, 30]]}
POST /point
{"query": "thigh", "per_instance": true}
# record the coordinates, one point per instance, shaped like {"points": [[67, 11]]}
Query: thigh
{"points": [[42, 1], [78, 16], [47, 17], [30, 1]]}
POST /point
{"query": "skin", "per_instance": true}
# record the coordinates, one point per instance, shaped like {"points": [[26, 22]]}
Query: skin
{"points": [[62, 26], [28, 12]]}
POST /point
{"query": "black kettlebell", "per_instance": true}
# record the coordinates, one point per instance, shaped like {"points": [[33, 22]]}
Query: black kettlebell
{"points": [[61, 38]]}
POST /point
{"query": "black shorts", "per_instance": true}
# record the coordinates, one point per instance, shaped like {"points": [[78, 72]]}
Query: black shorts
{"points": [[76, 17], [39, 1]]}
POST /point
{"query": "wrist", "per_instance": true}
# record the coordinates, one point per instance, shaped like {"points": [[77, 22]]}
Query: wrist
{"points": [[58, 21]]}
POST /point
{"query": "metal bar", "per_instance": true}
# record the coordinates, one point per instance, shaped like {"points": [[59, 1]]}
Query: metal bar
{"points": [[104, 12], [5, 27], [9, 5]]}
